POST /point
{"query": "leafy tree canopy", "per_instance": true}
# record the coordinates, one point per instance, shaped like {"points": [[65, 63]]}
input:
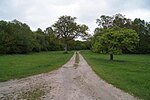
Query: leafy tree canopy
{"points": [[67, 29], [116, 39]]}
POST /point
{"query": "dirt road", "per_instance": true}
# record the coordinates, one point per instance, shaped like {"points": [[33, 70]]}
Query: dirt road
{"points": [[70, 82]]}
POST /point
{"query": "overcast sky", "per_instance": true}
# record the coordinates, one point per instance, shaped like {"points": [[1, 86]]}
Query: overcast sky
{"points": [[43, 13]]}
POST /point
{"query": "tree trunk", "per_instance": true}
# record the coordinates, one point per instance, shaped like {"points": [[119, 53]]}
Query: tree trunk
{"points": [[111, 57]]}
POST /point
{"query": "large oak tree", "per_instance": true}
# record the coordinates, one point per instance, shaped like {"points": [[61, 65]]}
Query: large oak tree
{"points": [[67, 29]]}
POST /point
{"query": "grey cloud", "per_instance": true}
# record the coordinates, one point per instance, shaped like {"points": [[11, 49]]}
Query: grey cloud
{"points": [[43, 13]]}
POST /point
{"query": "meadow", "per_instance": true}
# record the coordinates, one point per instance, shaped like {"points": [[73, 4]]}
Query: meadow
{"points": [[22, 65], [129, 72]]}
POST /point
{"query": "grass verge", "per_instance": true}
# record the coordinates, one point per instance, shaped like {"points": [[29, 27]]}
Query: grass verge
{"points": [[19, 65], [130, 73], [77, 58]]}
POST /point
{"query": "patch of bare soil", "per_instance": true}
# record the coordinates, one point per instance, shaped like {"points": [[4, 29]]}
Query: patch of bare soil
{"points": [[73, 81]]}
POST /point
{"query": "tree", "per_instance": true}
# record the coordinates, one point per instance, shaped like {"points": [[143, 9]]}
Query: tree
{"points": [[114, 40], [55, 43], [143, 29], [105, 21], [115, 20], [41, 39], [78, 45], [119, 20], [15, 37], [67, 29]]}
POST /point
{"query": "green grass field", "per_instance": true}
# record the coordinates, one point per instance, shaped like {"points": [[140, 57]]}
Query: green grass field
{"points": [[19, 65], [130, 73]]}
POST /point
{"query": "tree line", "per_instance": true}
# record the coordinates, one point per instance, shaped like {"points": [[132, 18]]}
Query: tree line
{"points": [[114, 34], [17, 37]]}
